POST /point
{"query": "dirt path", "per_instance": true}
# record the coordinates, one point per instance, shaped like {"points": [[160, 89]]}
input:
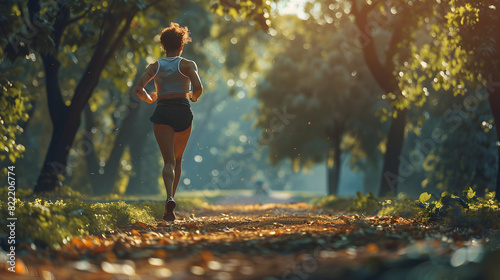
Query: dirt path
{"points": [[270, 241]]}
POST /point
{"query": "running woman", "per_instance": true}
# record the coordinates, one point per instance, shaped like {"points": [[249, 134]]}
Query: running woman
{"points": [[177, 81]]}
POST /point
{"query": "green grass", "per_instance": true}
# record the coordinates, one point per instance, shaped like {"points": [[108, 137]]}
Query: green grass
{"points": [[52, 221]]}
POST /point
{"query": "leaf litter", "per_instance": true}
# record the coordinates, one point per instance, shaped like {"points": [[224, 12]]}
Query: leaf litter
{"points": [[277, 241]]}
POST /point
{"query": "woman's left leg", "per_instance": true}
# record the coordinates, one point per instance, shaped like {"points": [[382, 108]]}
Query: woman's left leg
{"points": [[180, 142]]}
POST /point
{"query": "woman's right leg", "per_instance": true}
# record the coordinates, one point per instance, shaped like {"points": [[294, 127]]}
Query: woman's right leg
{"points": [[165, 137]]}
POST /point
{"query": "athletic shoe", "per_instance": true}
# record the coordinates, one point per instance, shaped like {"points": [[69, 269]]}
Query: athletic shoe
{"points": [[169, 215]]}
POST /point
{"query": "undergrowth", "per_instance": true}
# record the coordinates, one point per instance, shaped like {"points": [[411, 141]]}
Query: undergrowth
{"points": [[448, 209], [50, 223]]}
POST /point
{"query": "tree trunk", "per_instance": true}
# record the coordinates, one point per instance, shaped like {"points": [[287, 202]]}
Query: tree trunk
{"points": [[48, 179], [65, 126], [66, 119], [383, 75], [390, 169], [371, 175], [334, 171], [56, 160], [494, 100]]}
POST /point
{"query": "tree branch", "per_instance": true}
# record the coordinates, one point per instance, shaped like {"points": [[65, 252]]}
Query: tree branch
{"points": [[382, 75], [59, 25], [396, 38], [57, 108], [93, 70], [75, 19], [104, 21], [101, 55], [365, 9], [120, 36], [33, 9]]}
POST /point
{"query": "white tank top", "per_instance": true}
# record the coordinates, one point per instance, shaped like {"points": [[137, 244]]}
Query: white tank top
{"points": [[169, 79]]}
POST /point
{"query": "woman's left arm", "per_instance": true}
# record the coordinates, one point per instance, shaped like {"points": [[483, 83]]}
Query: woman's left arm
{"points": [[148, 74]]}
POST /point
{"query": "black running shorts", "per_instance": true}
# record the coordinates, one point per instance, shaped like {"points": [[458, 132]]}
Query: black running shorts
{"points": [[175, 112]]}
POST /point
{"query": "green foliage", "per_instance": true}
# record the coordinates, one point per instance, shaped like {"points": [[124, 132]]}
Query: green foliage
{"points": [[447, 164], [402, 206], [365, 203], [328, 94], [20, 193], [257, 11], [333, 202], [483, 210], [48, 223], [13, 110], [470, 194], [116, 214], [461, 50], [424, 197], [448, 209], [468, 210]]}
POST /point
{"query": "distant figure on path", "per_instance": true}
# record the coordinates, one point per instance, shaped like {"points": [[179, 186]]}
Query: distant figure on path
{"points": [[261, 190], [177, 81]]}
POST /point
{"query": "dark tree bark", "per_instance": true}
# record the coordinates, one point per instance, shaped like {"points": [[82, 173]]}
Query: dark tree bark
{"points": [[392, 161], [334, 171], [58, 112], [383, 75], [66, 119]]}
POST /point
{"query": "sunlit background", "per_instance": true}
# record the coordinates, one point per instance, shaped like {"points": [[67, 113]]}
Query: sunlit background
{"points": [[292, 99]]}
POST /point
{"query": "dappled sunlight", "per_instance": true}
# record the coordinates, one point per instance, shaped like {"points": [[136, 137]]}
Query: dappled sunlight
{"points": [[240, 139], [206, 241]]}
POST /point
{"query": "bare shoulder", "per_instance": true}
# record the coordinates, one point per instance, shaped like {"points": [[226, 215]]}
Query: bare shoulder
{"points": [[152, 68], [187, 64]]}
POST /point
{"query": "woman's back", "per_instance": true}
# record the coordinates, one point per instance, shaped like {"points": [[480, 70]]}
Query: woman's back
{"points": [[169, 79]]}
